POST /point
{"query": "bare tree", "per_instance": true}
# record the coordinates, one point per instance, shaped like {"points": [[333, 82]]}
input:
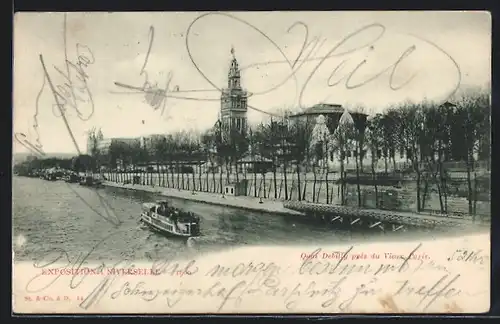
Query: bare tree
{"points": [[373, 140], [412, 123], [473, 114]]}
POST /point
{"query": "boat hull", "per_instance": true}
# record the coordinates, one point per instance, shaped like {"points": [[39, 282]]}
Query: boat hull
{"points": [[163, 227]]}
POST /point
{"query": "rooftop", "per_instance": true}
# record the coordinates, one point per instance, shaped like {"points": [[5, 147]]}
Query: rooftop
{"points": [[321, 109]]}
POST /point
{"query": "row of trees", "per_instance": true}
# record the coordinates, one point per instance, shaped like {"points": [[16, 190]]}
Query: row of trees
{"points": [[428, 134], [79, 163]]}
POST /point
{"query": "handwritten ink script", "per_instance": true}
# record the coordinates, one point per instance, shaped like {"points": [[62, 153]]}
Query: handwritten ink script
{"points": [[72, 92], [354, 42], [155, 96], [348, 280], [344, 50]]}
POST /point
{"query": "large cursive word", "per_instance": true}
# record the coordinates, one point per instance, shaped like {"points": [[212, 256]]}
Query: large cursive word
{"points": [[24, 140], [155, 96], [74, 91], [353, 43], [33, 145], [442, 288]]}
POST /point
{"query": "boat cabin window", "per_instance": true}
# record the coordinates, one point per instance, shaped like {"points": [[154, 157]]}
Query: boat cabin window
{"points": [[232, 190], [227, 190]]}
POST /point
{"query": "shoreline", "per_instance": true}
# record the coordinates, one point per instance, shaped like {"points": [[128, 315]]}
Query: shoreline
{"points": [[247, 202], [240, 202]]}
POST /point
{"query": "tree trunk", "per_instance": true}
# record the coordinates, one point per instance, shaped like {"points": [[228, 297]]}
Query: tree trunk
{"points": [[228, 170], [160, 182], [213, 179], [285, 178], [264, 181], [194, 178], [172, 167], [236, 170], [361, 158], [182, 177], [304, 189], [445, 188], [440, 195], [327, 187], [357, 176], [342, 182], [469, 183], [426, 189], [199, 177], [165, 173], [221, 190], [419, 207], [443, 194], [374, 179], [207, 178], [254, 181], [314, 183], [275, 180], [475, 195], [177, 170], [298, 183]]}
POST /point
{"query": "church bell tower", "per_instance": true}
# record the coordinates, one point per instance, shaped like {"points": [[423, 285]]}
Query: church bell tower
{"points": [[234, 99]]}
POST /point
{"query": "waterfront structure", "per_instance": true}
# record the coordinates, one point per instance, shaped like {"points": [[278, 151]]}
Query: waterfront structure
{"points": [[233, 113]]}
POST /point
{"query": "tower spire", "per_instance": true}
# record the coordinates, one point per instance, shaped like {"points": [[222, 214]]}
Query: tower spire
{"points": [[234, 98]]}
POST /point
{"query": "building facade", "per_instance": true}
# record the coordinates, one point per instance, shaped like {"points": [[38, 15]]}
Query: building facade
{"points": [[104, 144], [332, 114], [148, 142], [328, 119], [233, 113]]}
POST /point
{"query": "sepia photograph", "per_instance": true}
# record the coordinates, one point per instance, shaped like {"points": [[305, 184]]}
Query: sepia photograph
{"points": [[251, 162]]}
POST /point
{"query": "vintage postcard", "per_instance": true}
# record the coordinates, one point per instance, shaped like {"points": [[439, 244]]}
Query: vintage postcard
{"points": [[251, 162]]}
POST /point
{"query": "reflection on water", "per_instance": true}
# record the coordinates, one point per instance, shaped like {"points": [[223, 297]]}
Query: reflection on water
{"points": [[51, 215]]}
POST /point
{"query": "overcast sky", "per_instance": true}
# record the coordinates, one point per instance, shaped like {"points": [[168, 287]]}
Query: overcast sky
{"points": [[441, 49]]}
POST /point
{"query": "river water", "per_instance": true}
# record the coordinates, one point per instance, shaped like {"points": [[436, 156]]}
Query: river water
{"points": [[56, 216]]}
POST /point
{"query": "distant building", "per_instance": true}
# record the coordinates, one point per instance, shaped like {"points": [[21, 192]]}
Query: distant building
{"points": [[332, 114], [148, 142], [92, 139], [104, 144], [233, 111]]}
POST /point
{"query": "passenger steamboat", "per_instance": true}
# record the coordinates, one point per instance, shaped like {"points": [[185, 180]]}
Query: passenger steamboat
{"points": [[169, 220]]}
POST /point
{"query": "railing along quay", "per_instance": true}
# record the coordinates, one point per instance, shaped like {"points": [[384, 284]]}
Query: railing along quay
{"points": [[373, 218]]}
